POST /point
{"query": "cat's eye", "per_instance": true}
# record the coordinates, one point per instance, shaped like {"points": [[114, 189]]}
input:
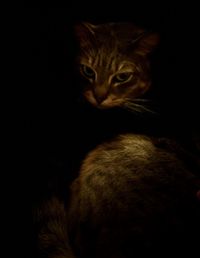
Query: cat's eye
{"points": [[88, 72], [122, 77]]}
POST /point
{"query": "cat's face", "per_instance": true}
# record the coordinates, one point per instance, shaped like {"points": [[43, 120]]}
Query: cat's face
{"points": [[113, 63]]}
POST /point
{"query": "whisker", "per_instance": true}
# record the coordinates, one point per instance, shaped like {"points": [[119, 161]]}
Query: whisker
{"points": [[137, 108], [141, 100]]}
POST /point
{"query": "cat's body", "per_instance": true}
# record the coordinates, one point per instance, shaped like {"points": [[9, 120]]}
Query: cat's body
{"points": [[134, 195]]}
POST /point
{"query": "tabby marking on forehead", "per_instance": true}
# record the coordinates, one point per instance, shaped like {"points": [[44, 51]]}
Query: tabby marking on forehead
{"points": [[90, 60], [107, 61]]}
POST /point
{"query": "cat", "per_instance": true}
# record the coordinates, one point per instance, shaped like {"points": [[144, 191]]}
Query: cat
{"points": [[134, 194], [113, 61]]}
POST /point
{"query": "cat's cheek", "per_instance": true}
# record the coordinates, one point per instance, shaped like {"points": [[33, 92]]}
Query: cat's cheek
{"points": [[90, 97], [144, 86]]}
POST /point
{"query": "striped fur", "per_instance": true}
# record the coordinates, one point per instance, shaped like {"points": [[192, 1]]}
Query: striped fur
{"points": [[109, 50]]}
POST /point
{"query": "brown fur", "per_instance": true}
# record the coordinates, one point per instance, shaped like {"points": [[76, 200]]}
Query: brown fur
{"points": [[53, 239], [109, 51], [135, 195], [130, 198]]}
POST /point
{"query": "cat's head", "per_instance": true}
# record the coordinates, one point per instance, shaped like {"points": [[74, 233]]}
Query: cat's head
{"points": [[113, 62]]}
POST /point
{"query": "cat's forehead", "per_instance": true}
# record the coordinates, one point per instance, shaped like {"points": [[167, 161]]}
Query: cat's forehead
{"points": [[109, 64], [104, 52], [108, 57]]}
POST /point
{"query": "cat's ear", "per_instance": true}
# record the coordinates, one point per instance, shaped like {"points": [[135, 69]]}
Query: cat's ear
{"points": [[145, 43], [84, 30]]}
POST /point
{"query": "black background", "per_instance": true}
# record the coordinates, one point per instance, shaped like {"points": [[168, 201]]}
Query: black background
{"points": [[50, 140]]}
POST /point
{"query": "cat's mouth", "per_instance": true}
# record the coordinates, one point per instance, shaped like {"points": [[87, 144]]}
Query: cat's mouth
{"points": [[109, 102]]}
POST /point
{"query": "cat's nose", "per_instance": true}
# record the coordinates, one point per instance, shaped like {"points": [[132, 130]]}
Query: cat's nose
{"points": [[100, 95], [100, 99]]}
